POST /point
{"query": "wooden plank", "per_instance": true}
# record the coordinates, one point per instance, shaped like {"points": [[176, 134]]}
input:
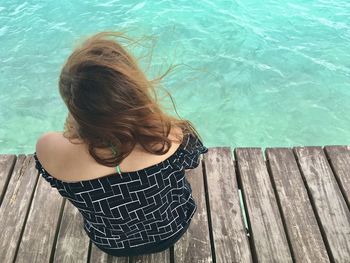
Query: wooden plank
{"points": [[7, 162], [302, 228], [230, 240], [331, 210], [98, 256], [163, 256], [40, 229], [339, 158], [263, 216], [14, 209], [194, 245], [72, 242]]}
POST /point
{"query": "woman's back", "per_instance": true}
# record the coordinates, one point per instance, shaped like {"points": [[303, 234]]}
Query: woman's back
{"points": [[136, 212], [72, 162]]}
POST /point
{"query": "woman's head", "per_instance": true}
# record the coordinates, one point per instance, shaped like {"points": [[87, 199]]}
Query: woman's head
{"points": [[110, 103]]}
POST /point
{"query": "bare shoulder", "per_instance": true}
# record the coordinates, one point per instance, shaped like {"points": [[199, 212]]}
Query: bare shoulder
{"points": [[46, 143], [48, 147]]}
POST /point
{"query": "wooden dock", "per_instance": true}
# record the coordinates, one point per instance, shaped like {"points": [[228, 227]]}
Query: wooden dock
{"points": [[296, 202]]}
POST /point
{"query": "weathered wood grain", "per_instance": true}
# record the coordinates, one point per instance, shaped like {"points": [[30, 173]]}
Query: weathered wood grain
{"points": [[230, 239], [339, 158], [14, 208], [163, 256], [39, 233], [98, 256], [20, 217], [194, 245], [266, 226], [302, 228], [330, 206], [73, 242], [7, 161]]}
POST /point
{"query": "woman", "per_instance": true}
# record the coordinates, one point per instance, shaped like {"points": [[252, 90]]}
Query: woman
{"points": [[121, 159]]}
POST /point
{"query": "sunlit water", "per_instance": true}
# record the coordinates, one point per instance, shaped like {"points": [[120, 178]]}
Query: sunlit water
{"points": [[256, 73]]}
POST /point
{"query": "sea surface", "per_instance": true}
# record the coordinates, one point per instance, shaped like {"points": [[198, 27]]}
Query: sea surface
{"points": [[252, 73]]}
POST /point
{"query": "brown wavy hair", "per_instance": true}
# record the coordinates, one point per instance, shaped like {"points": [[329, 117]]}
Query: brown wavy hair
{"points": [[111, 102]]}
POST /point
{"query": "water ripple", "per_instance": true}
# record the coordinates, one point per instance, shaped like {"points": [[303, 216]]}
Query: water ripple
{"points": [[267, 64]]}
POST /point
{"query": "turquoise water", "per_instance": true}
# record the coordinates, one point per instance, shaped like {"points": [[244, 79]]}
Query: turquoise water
{"points": [[259, 73]]}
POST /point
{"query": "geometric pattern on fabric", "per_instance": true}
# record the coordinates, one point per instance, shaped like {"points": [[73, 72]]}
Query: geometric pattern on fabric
{"points": [[132, 209]]}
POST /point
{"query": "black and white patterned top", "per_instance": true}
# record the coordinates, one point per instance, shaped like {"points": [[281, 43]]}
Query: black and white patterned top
{"points": [[133, 209]]}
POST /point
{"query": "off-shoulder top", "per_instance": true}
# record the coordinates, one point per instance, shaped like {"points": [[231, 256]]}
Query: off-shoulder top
{"points": [[133, 209]]}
